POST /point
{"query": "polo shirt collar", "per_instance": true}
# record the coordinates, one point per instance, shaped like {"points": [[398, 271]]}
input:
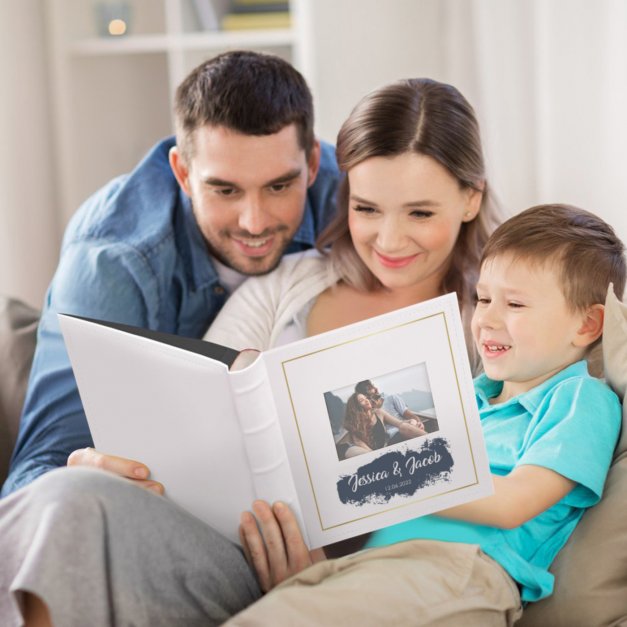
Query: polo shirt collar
{"points": [[486, 388]]}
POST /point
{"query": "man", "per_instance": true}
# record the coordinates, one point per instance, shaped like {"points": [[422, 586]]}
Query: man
{"points": [[162, 247]]}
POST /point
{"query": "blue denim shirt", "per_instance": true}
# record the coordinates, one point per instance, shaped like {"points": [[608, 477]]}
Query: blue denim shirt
{"points": [[133, 253]]}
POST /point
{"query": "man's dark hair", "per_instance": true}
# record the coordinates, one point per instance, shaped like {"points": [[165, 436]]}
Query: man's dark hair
{"points": [[364, 387], [247, 92]]}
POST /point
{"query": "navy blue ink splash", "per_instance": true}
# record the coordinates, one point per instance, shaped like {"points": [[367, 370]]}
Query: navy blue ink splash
{"points": [[397, 473]]}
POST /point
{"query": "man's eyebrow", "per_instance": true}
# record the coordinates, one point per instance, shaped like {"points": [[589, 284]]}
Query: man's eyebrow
{"points": [[218, 182], [283, 178]]}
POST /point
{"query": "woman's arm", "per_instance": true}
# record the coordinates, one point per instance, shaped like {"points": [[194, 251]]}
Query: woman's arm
{"points": [[257, 312], [523, 494]]}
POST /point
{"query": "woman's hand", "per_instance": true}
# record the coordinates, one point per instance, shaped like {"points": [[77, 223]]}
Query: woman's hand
{"points": [[121, 466], [273, 543]]}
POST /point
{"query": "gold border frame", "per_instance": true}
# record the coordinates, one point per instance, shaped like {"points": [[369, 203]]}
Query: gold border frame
{"points": [[463, 408]]}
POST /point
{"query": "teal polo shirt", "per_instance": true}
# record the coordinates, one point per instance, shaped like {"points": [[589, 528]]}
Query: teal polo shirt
{"points": [[569, 424]]}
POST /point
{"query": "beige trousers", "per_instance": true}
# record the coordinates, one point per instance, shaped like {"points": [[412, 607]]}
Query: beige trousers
{"points": [[420, 582]]}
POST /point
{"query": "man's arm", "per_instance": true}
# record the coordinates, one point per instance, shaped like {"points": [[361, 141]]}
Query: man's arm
{"points": [[97, 280], [407, 429], [408, 414]]}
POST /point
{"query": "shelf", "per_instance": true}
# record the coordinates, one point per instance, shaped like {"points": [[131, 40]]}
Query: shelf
{"points": [[137, 44], [113, 95], [123, 45]]}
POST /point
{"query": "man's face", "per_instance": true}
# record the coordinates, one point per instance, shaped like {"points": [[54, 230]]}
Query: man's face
{"points": [[248, 192]]}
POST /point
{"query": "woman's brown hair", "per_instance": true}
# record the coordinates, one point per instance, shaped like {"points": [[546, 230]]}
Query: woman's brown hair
{"points": [[420, 116], [357, 420]]}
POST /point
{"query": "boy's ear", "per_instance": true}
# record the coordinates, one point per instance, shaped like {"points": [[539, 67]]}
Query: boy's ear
{"points": [[592, 326]]}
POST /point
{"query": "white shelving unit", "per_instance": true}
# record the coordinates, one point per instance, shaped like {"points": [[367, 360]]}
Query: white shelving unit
{"points": [[113, 95]]}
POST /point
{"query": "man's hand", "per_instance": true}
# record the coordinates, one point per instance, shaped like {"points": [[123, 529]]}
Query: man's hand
{"points": [[273, 544], [121, 466], [408, 430], [410, 416]]}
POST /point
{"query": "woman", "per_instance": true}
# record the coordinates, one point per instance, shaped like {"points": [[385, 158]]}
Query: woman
{"points": [[366, 427], [414, 213]]}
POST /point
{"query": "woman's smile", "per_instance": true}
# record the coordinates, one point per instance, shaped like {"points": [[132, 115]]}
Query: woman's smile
{"points": [[395, 262]]}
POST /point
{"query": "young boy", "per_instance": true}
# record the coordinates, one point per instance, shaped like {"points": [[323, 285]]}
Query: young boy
{"points": [[550, 430]]}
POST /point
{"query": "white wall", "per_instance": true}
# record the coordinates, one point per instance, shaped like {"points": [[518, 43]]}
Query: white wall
{"points": [[359, 45], [548, 80], [29, 233]]}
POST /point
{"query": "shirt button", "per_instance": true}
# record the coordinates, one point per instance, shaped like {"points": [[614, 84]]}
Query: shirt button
{"points": [[218, 289]]}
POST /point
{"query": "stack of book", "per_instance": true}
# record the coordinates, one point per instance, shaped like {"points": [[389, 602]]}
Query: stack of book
{"points": [[257, 14]]}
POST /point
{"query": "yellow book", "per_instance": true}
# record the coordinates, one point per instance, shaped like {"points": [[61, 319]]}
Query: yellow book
{"points": [[242, 21]]}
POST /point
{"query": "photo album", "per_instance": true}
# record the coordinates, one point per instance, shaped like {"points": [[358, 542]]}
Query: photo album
{"points": [[306, 423]]}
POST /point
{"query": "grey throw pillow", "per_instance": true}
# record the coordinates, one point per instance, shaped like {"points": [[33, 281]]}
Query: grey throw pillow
{"points": [[18, 329]]}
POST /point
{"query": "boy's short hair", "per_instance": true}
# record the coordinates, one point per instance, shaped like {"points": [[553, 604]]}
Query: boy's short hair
{"points": [[584, 249], [249, 92]]}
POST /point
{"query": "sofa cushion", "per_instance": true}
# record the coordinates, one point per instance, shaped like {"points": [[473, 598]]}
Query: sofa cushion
{"points": [[615, 356], [18, 329], [591, 570]]}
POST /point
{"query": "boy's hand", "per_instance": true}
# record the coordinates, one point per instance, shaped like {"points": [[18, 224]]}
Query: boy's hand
{"points": [[128, 468], [273, 544]]}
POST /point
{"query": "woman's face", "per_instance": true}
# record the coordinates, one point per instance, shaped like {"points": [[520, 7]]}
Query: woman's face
{"points": [[363, 401], [404, 216]]}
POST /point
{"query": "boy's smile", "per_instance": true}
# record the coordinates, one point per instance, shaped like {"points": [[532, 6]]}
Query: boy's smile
{"points": [[522, 326]]}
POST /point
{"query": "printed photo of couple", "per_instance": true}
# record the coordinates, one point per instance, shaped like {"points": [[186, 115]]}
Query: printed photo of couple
{"points": [[379, 412]]}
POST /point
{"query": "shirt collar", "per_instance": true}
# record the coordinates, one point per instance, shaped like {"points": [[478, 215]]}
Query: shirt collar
{"points": [[200, 269], [486, 388], [306, 233]]}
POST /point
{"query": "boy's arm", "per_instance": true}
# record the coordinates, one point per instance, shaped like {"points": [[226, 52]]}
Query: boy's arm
{"points": [[523, 494]]}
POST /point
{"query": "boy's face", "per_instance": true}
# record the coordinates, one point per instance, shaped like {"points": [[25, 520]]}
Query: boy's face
{"points": [[522, 325]]}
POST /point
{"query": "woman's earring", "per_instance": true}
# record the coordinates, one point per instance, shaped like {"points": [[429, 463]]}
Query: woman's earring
{"points": [[468, 214]]}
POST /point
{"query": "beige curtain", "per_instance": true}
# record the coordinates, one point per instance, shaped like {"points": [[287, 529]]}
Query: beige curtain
{"points": [[550, 80]]}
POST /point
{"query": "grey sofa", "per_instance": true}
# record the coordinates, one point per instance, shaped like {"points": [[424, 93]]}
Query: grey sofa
{"points": [[18, 326], [591, 570]]}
